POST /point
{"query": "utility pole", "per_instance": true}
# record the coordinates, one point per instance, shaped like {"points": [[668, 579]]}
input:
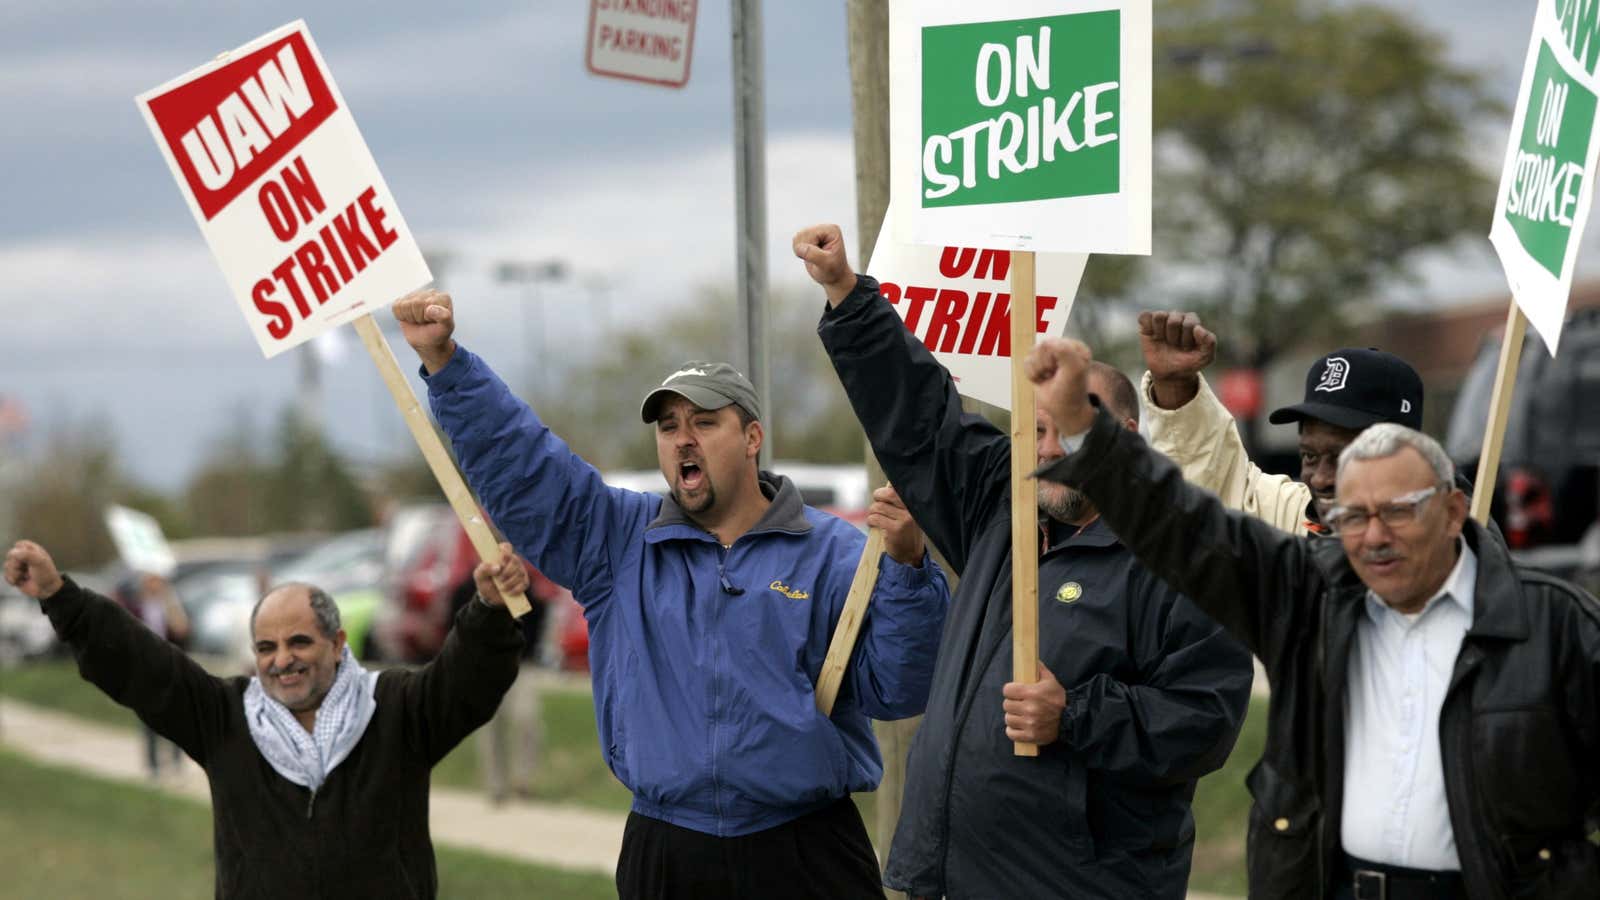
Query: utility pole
{"points": [[750, 195], [868, 27]]}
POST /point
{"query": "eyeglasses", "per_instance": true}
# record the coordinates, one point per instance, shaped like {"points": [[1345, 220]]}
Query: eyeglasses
{"points": [[1400, 511]]}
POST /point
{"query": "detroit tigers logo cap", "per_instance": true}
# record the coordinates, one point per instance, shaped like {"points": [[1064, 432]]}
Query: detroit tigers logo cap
{"points": [[1356, 387]]}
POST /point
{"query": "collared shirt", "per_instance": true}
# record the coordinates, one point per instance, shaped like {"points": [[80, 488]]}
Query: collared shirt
{"points": [[1395, 811]]}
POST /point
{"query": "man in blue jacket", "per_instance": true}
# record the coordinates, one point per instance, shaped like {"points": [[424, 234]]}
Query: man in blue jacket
{"points": [[710, 614]]}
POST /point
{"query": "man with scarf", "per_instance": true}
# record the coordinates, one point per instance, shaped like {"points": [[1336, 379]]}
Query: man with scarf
{"points": [[319, 768]]}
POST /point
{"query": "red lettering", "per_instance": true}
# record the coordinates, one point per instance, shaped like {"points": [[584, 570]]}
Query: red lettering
{"points": [[356, 245], [302, 189], [997, 333], [890, 291], [375, 218], [334, 253], [285, 275], [1043, 305], [917, 296], [281, 323], [316, 270], [955, 261], [945, 325], [969, 334], [994, 264], [275, 206]]}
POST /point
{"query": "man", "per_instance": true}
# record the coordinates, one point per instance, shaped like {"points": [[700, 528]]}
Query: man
{"points": [[318, 768], [1446, 703], [1346, 391], [710, 614], [1138, 695]]}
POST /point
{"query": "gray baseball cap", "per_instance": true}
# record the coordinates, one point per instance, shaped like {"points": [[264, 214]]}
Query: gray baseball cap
{"points": [[708, 385]]}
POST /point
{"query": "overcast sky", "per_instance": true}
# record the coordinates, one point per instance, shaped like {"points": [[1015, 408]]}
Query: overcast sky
{"points": [[496, 143]]}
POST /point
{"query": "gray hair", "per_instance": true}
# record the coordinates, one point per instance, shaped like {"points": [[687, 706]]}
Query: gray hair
{"points": [[1385, 439], [322, 606]]}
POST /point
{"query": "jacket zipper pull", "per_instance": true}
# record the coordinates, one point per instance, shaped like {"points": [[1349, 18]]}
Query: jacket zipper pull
{"points": [[722, 576], [311, 803]]}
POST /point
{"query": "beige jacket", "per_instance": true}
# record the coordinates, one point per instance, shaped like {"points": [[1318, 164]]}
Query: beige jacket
{"points": [[1203, 440]]}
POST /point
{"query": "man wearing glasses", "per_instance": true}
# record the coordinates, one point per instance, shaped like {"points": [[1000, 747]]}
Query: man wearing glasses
{"points": [[1442, 706]]}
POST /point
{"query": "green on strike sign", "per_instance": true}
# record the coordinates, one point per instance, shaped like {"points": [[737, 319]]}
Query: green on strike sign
{"points": [[1545, 186], [1021, 125], [1035, 117]]}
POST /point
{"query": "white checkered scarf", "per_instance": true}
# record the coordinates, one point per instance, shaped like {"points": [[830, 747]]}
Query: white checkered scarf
{"points": [[306, 758]]}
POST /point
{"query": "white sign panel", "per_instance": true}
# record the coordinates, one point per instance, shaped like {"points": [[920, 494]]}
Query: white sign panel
{"points": [[139, 541], [268, 157], [1021, 124], [642, 40], [1548, 181], [957, 300]]}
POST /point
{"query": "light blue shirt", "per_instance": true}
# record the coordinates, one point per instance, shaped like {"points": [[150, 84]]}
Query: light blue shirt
{"points": [[1395, 810]]}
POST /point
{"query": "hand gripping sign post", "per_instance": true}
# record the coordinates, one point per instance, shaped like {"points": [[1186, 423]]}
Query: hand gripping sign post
{"points": [[957, 301], [1543, 204], [268, 157], [1021, 125]]}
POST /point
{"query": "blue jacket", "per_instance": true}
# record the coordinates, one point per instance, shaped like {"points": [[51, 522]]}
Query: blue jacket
{"points": [[704, 660]]}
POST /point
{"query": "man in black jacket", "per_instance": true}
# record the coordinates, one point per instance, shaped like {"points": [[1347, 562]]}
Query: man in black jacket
{"points": [[319, 770], [1138, 695], [1447, 702]]}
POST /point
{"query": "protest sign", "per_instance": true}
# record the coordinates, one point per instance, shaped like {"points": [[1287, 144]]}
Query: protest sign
{"points": [[957, 301], [1546, 185], [1039, 106], [140, 542], [268, 157], [1021, 125], [1543, 202], [642, 40], [297, 215]]}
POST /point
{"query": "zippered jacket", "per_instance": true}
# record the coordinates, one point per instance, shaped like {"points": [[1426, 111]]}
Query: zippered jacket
{"points": [[704, 659], [1519, 730], [1156, 692]]}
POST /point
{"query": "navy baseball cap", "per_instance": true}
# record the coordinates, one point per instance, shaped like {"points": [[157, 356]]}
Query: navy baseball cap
{"points": [[1356, 387], [708, 385]]}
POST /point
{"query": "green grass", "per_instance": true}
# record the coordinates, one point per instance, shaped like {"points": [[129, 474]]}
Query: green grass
{"points": [[572, 770], [65, 836], [1221, 810]]}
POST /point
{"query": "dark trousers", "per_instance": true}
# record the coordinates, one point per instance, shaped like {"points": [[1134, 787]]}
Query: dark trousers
{"points": [[824, 854]]}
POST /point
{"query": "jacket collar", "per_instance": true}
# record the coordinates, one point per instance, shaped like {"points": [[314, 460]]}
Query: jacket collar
{"points": [[785, 515], [1097, 534]]}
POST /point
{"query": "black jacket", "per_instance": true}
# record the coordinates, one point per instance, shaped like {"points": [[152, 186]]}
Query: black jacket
{"points": [[1156, 692], [1519, 731], [365, 832]]}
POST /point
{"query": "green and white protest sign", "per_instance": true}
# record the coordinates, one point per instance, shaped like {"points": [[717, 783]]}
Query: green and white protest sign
{"points": [[140, 542], [1021, 125], [1546, 185]]}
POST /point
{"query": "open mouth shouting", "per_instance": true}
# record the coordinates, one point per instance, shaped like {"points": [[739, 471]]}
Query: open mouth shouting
{"points": [[690, 476]]}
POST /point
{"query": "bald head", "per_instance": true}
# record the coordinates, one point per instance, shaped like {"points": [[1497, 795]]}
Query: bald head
{"points": [[296, 595], [1115, 391]]}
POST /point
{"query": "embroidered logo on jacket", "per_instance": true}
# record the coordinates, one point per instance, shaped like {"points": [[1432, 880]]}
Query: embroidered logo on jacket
{"points": [[791, 593], [1069, 592], [1333, 376]]}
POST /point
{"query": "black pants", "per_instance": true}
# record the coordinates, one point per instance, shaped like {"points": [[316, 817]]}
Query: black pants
{"points": [[825, 854]]}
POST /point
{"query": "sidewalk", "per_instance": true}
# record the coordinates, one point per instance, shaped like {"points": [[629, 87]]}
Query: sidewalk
{"points": [[568, 837]]}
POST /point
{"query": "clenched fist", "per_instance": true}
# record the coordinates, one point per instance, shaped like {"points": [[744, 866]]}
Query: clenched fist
{"points": [[1176, 350], [821, 247], [427, 319], [31, 569]]}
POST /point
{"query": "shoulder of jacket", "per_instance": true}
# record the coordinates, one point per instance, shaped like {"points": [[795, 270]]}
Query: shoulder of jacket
{"points": [[1550, 587]]}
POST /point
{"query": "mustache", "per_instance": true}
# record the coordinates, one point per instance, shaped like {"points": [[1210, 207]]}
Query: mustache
{"points": [[290, 669], [1379, 555]]}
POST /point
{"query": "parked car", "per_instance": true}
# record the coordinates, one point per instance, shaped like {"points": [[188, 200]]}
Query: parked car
{"points": [[1548, 487], [350, 567], [25, 632], [426, 556]]}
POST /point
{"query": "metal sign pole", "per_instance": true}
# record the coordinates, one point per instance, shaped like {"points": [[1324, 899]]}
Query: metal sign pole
{"points": [[750, 196]]}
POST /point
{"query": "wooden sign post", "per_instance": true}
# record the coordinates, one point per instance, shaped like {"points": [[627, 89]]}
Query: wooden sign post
{"points": [[1024, 508], [298, 217], [1505, 382], [843, 643]]}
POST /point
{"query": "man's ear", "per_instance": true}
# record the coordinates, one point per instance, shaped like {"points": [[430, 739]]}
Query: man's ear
{"points": [[754, 437], [1130, 423], [1456, 509]]}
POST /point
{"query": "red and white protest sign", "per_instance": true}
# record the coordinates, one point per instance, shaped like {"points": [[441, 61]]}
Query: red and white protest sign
{"points": [[284, 189], [957, 300], [642, 40]]}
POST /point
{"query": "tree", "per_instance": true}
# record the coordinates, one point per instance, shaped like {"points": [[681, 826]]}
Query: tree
{"points": [[595, 410], [62, 497], [1306, 154]]}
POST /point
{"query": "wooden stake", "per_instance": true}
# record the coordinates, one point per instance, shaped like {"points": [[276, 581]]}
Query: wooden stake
{"points": [[1505, 382], [444, 469], [844, 634], [1024, 507]]}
